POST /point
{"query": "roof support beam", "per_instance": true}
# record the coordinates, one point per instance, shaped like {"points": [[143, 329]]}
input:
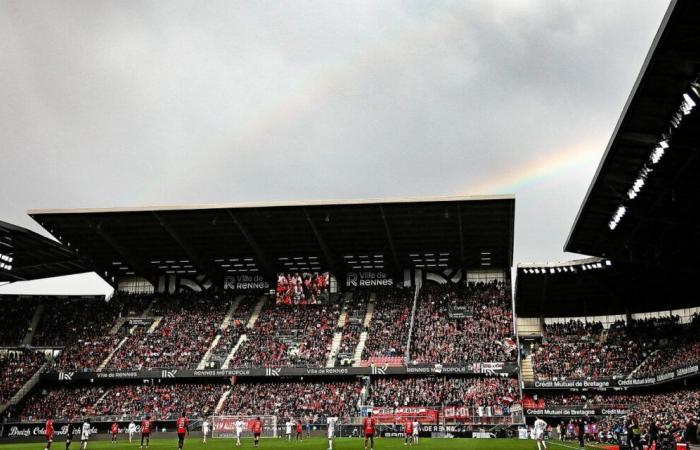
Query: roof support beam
{"points": [[390, 239], [60, 262], [203, 266], [5, 275], [330, 259], [259, 253], [134, 261]]}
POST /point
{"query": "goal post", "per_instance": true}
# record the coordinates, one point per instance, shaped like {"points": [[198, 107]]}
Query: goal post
{"points": [[225, 426]]}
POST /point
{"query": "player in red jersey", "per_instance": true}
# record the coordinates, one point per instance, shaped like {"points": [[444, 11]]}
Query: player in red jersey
{"points": [[408, 432], [257, 429], [300, 436], [114, 429], [183, 426], [146, 425], [48, 432], [368, 426]]}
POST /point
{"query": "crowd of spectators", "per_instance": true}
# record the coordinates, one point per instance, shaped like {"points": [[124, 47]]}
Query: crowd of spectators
{"points": [[67, 322], [130, 401], [160, 401], [61, 403], [188, 324], [16, 368], [387, 335], [663, 418], [496, 393], [289, 336], [294, 399], [679, 346], [577, 350], [638, 347], [82, 327], [458, 323], [302, 289], [18, 311]]}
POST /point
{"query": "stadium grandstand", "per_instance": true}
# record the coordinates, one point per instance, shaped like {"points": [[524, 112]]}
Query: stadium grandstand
{"points": [[403, 308]]}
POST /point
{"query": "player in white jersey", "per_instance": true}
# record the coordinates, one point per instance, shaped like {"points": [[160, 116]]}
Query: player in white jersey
{"points": [[331, 421], [84, 434], [539, 429], [132, 430], [239, 431], [416, 426], [205, 431], [288, 429]]}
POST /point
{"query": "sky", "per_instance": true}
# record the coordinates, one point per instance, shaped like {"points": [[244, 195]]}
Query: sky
{"points": [[112, 103]]}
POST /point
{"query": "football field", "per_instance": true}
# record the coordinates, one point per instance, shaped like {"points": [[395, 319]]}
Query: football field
{"points": [[195, 443]]}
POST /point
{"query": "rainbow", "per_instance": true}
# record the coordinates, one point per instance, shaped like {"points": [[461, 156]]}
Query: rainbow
{"points": [[315, 83], [534, 171]]}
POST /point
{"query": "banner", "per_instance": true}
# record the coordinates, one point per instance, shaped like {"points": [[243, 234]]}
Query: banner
{"points": [[605, 383], [459, 312], [575, 411], [29, 429], [489, 369], [368, 279], [246, 282], [140, 321], [402, 414]]}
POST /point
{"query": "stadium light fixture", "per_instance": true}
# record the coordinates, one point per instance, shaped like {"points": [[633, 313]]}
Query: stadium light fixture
{"points": [[619, 214], [608, 262], [687, 105]]}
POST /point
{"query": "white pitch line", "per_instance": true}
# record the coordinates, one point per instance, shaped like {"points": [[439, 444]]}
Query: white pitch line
{"points": [[563, 445]]}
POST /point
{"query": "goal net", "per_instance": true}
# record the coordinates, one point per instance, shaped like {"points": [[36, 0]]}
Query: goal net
{"points": [[225, 426]]}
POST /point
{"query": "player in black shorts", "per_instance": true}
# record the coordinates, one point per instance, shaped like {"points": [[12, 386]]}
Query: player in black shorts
{"points": [[69, 434]]}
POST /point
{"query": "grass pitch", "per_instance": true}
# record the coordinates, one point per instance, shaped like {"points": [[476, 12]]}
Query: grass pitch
{"points": [[195, 443]]}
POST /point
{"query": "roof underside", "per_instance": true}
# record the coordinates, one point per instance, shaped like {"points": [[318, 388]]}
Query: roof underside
{"points": [[661, 224], [217, 241], [618, 288], [34, 256]]}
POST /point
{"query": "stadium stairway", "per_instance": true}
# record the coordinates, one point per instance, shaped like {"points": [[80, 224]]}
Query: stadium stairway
{"points": [[34, 323], [111, 355], [256, 312], [224, 325], [338, 335], [117, 325], [413, 319], [527, 374], [146, 312], [154, 325], [24, 390], [229, 315], [357, 357], [641, 364], [102, 397], [230, 356], [120, 322], [222, 401]]}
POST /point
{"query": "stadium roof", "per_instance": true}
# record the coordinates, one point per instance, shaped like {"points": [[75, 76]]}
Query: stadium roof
{"points": [[643, 203], [597, 286], [339, 236], [26, 255]]}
